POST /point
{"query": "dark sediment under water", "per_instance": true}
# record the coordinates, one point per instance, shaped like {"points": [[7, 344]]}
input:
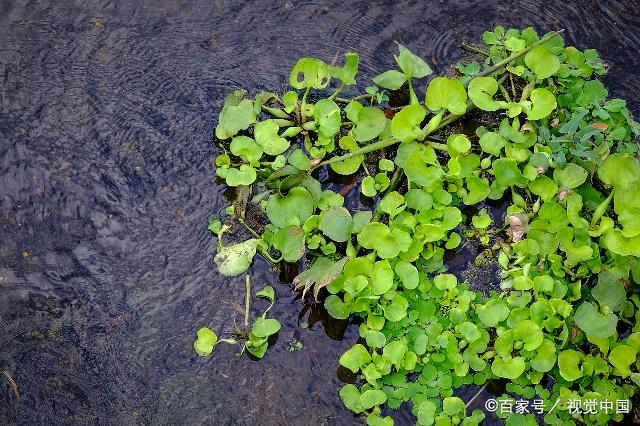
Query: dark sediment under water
{"points": [[107, 111]]}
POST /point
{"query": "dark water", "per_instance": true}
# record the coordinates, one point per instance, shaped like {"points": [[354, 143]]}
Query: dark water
{"points": [[106, 181]]}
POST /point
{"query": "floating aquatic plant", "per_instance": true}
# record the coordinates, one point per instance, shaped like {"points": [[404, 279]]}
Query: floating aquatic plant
{"points": [[552, 143]]}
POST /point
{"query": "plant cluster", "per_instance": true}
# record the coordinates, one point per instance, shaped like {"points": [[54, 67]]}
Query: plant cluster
{"points": [[562, 326], [253, 338]]}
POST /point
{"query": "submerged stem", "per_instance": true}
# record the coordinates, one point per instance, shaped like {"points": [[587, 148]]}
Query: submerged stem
{"points": [[355, 98], [474, 397], [247, 299], [473, 49]]}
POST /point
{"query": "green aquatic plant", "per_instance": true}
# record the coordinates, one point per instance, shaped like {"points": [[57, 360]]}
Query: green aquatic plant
{"points": [[252, 337], [552, 145]]}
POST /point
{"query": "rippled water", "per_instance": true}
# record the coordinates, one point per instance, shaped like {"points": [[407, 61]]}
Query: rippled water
{"points": [[106, 117]]}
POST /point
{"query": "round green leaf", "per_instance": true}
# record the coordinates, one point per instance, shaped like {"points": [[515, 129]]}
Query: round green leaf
{"points": [[265, 327], [569, 364], [266, 134], [542, 104], [492, 312], [545, 357], [621, 357], [509, 369], [492, 143], [371, 398], [542, 62], [391, 79], [481, 91], [335, 223], [571, 176], [246, 148], [290, 242], [207, 339], [592, 322], [408, 274], [355, 358], [350, 396], [336, 307], [293, 209], [371, 122], [446, 93], [405, 123]]}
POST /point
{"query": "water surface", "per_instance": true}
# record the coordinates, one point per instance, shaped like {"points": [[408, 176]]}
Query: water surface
{"points": [[107, 111]]}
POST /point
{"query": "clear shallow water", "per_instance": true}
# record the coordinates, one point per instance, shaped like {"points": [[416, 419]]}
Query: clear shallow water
{"points": [[107, 111]]}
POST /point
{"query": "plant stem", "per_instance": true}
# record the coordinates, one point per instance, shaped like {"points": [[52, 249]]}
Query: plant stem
{"points": [[255, 234], [247, 299], [517, 55], [356, 98], [474, 397], [504, 93], [365, 149], [513, 86], [337, 91], [304, 103], [470, 48]]}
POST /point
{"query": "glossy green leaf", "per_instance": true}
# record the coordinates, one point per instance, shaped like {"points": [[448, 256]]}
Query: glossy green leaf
{"points": [[412, 65], [355, 358], [371, 398], [265, 327], [327, 115], [310, 73], [290, 242], [207, 339], [371, 122], [246, 148], [542, 62], [335, 223], [391, 79], [446, 93], [237, 114], [595, 324], [350, 396], [266, 134], [492, 143], [481, 91], [509, 369], [543, 102], [293, 209], [571, 176], [405, 123], [569, 364]]}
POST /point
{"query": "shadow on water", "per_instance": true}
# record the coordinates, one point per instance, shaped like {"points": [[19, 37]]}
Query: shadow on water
{"points": [[107, 111]]}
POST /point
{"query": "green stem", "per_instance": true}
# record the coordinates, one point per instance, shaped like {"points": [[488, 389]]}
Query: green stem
{"points": [[356, 98], [517, 55], [513, 86], [304, 103], [470, 48], [337, 92], [266, 254], [247, 299], [364, 150], [255, 234], [505, 93], [413, 99]]}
